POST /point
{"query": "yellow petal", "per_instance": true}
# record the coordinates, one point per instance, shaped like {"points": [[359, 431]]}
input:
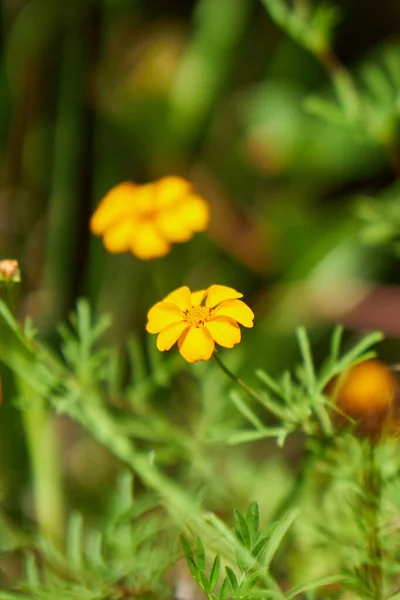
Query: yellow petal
{"points": [[237, 310], [117, 205], [224, 331], [148, 243], [172, 227], [161, 315], [118, 238], [170, 190], [145, 199], [180, 297], [198, 297], [196, 344], [194, 212], [167, 338], [218, 293]]}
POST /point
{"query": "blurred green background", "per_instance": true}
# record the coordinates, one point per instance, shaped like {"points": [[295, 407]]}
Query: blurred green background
{"points": [[93, 93], [305, 217]]}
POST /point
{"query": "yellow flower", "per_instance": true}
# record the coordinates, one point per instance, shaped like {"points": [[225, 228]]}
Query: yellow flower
{"points": [[182, 317], [146, 219]]}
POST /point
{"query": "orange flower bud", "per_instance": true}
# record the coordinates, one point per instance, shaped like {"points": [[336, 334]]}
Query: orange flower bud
{"points": [[9, 270], [366, 394]]}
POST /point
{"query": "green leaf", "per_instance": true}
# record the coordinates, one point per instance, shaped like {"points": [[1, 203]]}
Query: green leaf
{"points": [[358, 350], [246, 411], [32, 571], [187, 550], [242, 529], [336, 342], [204, 583], [232, 579], [243, 437], [224, 589], [253, 520], [214, 574], [269, 382], [260, 546], [249, 583], [306, 355], [312, 585], [75, 541], [278, 534], [193, 569], [200, 555]]}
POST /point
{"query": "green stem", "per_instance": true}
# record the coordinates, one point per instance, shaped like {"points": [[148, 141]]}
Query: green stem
{"points": [[102, 426], [236, 379], [270, 406], [45, 468]]}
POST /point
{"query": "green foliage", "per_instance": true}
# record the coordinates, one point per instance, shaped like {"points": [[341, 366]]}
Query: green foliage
{"points": [[112, 451], [310, 27], [298, 400], [250, 576]]}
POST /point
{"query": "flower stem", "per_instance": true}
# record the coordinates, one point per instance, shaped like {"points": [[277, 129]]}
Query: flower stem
{"points": [[45, 469], [236, 379]]}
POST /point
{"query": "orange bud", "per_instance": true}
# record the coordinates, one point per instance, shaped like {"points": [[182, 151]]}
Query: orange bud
{"points": [[366, 389], [366, 393]]}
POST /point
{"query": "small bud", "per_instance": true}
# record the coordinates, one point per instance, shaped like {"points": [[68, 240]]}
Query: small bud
{"points": [[366, 393], [9, 271]]}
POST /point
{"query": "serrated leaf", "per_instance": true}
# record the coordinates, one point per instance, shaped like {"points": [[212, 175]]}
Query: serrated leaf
{"points": [[241, 529], [253, 520], [232, 579], [215, 570], [200, 555]]}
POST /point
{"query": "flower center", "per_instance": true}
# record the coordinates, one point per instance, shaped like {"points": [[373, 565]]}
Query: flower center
{"points": [[197, 315]]}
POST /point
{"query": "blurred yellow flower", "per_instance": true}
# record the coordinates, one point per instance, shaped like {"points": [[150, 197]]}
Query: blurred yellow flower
{"points": [[147, 219], [182, 317]]}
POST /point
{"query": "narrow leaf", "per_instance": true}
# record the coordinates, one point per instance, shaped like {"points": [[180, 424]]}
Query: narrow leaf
{"points": [[243, 437], [312, 585], [204, 584], [305, 350], [253, 520], [224, 589], [201, 555], [242, 529], [232, 579], [278, 535], [245, 410], [187, 550], [214, 575], [260, 547]]}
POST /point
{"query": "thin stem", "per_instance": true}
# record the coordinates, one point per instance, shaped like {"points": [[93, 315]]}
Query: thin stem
{"points": [[373, 492], [236, 379]]}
